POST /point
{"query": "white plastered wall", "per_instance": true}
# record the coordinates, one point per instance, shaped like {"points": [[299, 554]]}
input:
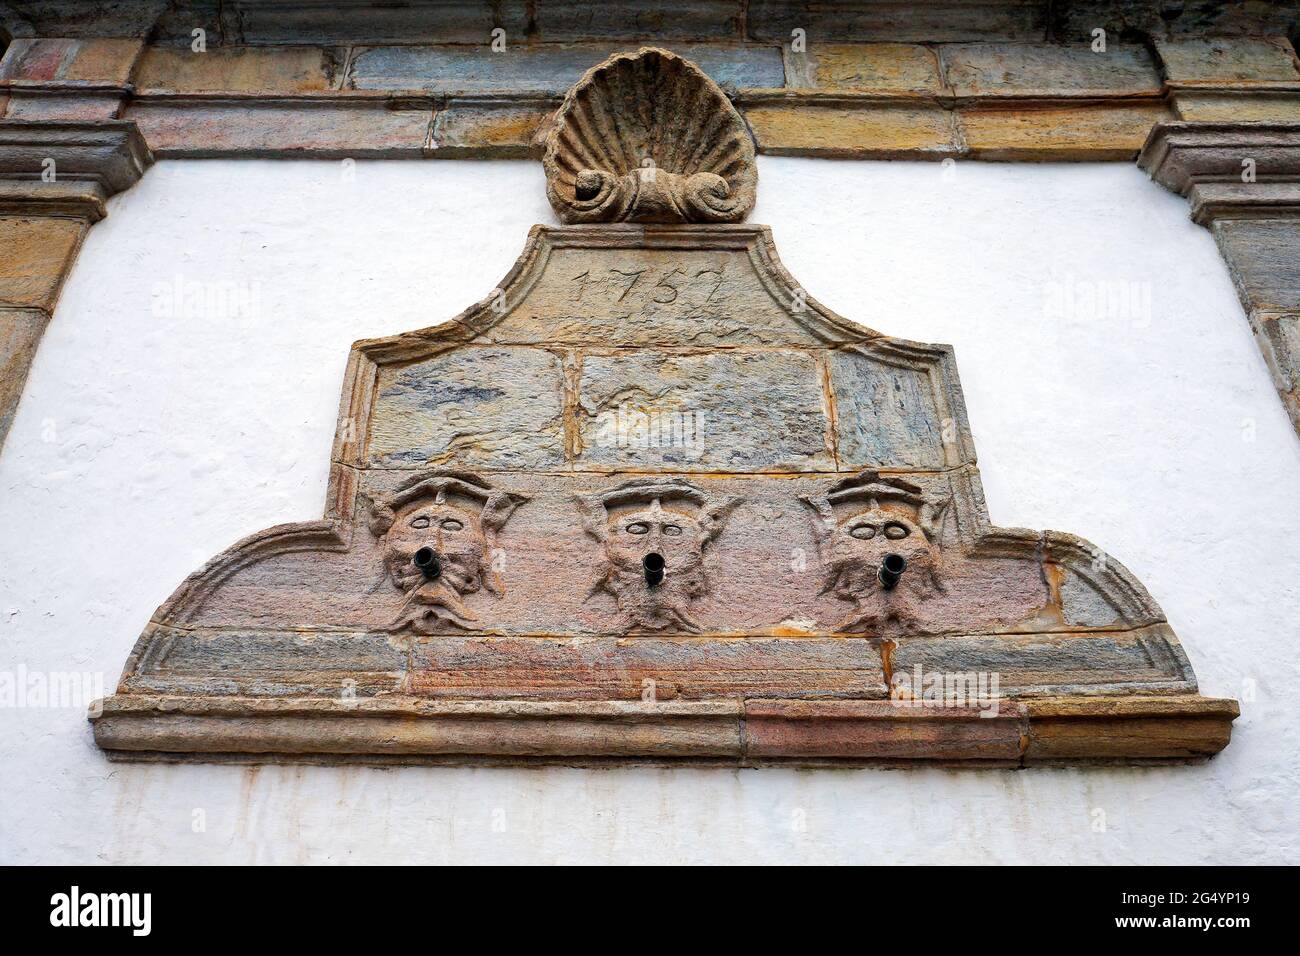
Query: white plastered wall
{"points": [[150, 438]]}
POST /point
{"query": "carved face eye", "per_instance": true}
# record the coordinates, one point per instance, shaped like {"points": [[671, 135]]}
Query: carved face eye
{"points": [[672, 530], [420, 522], [894, 530], [863, 531], [638, 527], [451, 524]]}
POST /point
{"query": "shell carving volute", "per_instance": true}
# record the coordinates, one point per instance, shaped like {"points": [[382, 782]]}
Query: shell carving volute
{"points": [[648, 137]]}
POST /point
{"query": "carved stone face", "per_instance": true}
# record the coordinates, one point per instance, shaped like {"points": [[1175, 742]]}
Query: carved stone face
{"points": [[438, 533], [654, 533], [454, 536], [862, 520], [861, 542], [674, 536]]}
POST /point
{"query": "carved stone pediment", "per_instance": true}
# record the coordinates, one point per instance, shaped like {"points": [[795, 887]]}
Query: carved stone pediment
{"points": [[651, 500]]}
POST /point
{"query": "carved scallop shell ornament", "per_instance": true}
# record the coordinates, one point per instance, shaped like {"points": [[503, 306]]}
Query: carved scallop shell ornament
{"points": [[648, 137]]}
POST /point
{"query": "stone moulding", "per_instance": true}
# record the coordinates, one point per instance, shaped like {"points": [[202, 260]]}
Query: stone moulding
{"points": [[91, 162], [281, 649], [724, 732]]}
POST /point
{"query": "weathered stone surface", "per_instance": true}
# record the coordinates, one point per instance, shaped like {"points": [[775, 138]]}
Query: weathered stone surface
{"points": [[639, 287], [485, 407], [1256, 106], [874, 68], [888, 414], [935, 22], [1280, 334], [331, 129], [1263, 256], [101, 61], [486, 130], [785, 428], [1028, 665], [756, 732], [662, 20], [1096, 132], [1128, 728], [982, 69], [43, 222], [350, 21], [268, 664], [883, 730], [1234, 60], [549, 69], [20, 333], [633, 669], [797, 127], [246, 70], [47, 106], [405, 728], [1074, 22], [1211, 201], [35, 255]]}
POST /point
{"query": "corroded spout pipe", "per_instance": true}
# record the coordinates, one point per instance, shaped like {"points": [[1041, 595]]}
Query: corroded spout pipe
{"points": [[426, 559], [891, 569], [654, 568]]}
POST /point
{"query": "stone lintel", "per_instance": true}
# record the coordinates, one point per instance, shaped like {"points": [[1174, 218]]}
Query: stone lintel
{"points": [[1174, 728]]}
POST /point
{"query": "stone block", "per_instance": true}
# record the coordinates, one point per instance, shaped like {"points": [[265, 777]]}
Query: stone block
{"points": [[47, 106], [1147, 660], [1054, 134], [1133, 728], [486, 131], [268, 663], [100, 61], [886, 414], [324, 130], [733, 410], [658, 296], [549, 69], [874, 68], [1263, 256], [476, 407], [661, 20], [882, 730], [799, 127], [35, 256], [237, 70], [1279, 336], [1001, 69], [609, 669], [1255, 106], [465, 21], [1229, 60]]}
